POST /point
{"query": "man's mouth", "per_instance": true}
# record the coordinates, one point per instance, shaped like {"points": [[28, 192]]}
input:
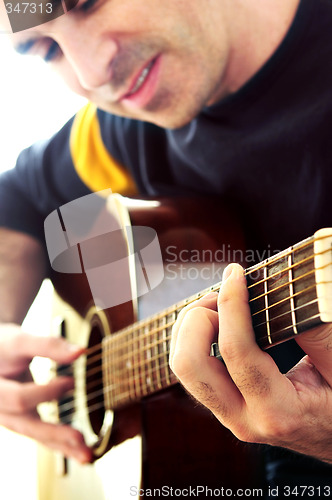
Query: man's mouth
{"points": [[141, 79]]}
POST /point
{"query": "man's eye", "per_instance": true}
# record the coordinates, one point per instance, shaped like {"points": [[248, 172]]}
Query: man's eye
{"points": [[84, 7]]}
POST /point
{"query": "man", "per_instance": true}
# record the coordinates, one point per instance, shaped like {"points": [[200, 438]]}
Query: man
{"points": [[230, 98]]}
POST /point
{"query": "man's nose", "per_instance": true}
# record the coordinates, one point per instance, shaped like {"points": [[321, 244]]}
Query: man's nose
{"points": [[90, 59]]}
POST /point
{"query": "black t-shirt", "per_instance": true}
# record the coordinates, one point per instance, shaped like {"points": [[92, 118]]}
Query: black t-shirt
{"points": [[266, 148]]}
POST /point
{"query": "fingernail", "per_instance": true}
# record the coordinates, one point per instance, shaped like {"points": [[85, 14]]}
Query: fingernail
{"points": [[227, 272], [83, 457], [73, 347], [232, 269]]}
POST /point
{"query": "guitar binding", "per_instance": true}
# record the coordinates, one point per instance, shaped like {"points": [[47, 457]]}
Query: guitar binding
{"points": [[323, 272]]}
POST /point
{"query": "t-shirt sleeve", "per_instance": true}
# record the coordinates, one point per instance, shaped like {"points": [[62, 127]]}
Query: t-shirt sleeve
{"points": [[72, 164], [43, 179]]}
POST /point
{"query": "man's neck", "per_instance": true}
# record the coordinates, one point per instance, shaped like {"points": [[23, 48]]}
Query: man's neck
{"points": [[256, 29]]}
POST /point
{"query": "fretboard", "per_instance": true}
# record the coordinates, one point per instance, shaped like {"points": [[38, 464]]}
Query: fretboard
{"points": [[283, 300]]}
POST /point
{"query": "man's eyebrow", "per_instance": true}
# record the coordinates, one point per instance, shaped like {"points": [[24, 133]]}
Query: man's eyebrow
{"points": [[25, 47]]}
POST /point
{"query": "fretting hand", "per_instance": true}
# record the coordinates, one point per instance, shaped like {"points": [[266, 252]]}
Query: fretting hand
{"points": [[248, 394]]}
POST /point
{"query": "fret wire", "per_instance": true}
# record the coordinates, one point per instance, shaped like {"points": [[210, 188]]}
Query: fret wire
{"points": [[295, 279], [310, 303], [136, 371], [165, 348], [153, 331], [162, 380], [156, 359], [296, 264], [215, 288], [291, 267], [275, 258], [106, 373], [290, 326], [143, 372], [266, 301], [260, 338], [91, 360], [110, 371], [116, 387], [285, 299], [125, 394], [291, 293], [263, 310], [283, 285], [128, 330], [121, 396], [149, 361], [161, 355], [130, 367], [174, 309], [150, 345]]}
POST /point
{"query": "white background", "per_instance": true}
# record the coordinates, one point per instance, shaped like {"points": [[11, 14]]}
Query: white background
{"points": [[33, 105]]}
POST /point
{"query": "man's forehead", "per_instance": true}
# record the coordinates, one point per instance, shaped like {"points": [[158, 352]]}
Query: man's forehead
{"points": [[18, 15]]}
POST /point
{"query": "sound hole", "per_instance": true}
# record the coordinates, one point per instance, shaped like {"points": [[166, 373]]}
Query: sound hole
{"points": [[94, 377]]}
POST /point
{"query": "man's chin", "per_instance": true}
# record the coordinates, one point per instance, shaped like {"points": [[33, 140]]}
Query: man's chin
{"points": [[163, 114]]}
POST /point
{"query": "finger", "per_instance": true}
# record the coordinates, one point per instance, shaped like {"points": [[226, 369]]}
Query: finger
{"points": [[20, 398], [209, 301], [204, 376], [253, 371], [60, 437], [17, 351]]}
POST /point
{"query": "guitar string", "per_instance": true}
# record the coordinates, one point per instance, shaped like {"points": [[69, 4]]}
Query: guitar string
{"points": [[131, 380], [148, 321], [163, 327], [149, 334], [281, 271], [116, 397], [140, 349], [287, 284], [285, 299], [269, 261], [131, 329], [147, 347], [287, 252], [175, 308], [64, 407], [286, 313]]}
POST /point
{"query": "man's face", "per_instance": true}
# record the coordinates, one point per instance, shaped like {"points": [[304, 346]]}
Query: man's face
{"points": [[154, 60]]}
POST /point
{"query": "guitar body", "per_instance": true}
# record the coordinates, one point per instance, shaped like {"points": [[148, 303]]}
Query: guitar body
{"points": [[165, 440]]}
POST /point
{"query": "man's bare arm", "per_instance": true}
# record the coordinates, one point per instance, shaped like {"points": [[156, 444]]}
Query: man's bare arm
{"points": [[22, 269]]}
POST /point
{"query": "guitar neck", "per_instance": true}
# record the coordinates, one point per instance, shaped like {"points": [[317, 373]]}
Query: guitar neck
{"points": [[288, 294]]}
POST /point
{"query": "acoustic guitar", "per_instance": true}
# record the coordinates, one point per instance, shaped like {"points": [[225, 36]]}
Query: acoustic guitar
{"points": [[148, 436]]}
